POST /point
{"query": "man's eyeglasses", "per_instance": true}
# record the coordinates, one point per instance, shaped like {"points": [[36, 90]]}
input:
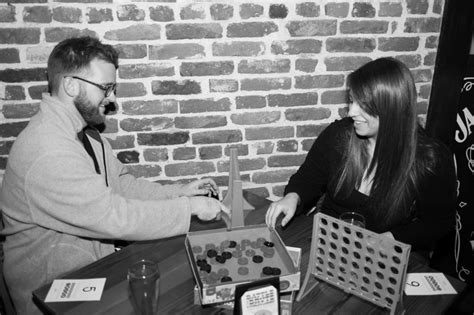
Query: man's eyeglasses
{"points": [[108, 89]]}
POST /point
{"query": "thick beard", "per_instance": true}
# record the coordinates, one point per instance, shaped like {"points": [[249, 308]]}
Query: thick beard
{"points": [[88, 111]]}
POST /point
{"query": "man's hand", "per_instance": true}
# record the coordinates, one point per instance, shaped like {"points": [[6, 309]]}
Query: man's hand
{"points": [[207, 208], [200, 187], [287, 205]]}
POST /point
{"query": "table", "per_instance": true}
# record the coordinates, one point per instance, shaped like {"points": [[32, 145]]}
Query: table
{"points": [[177, 282]]}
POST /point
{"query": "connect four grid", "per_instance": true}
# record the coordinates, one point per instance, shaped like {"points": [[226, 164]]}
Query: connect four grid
{"points": [[358, 261]]}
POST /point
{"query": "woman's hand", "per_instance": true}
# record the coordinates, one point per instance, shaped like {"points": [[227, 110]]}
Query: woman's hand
{"points": [[207, 208], [200, 187], [287, 205]]}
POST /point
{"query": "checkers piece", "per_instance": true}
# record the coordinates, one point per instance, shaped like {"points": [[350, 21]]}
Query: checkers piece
{"points": [[268, 244], [243, 261], [276, 271], [197, 249], [211, 253], [257, 259], [232, 244], [267, 271], [243, 271], [237, 253], [206, 268], [223, 272], [250, 252], [220, 259], [227, 255], [226, 279]]}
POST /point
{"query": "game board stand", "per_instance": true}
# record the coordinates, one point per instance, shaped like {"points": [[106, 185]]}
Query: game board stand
{"points": [[234, 198], [358, 261]]}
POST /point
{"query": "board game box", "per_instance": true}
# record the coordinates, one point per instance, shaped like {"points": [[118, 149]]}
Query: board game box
{"points": [[221, 259]]}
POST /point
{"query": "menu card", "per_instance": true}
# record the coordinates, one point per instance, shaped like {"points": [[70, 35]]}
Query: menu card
{"points": [[428, 283], [65, 290]]}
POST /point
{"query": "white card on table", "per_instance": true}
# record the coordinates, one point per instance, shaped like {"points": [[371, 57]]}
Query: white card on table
{"points": [[64, 290], [428, 283]]}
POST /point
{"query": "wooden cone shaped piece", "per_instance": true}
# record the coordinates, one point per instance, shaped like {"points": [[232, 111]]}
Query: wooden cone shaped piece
{"points": [[237, 211]]}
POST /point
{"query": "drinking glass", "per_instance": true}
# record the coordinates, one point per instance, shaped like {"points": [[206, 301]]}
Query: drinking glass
{"points": [[353, 218], [144, 285]]}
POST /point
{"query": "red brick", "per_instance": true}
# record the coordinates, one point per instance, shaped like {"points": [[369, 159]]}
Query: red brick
{"points": [[430, 59], [16, 111], [206, 68], [302, 114], [334, 9], [265, 84], [183, 87], [286, 160], [417, 6], [244, 165], [319, 81], [251, 29], [287, 146], [262, 133], [189, 168], [277, 176], [111, 125], [99, 15], [135, 32], [122, 142], [14, 93], [363, 9], [3, 163], [278, 11], [67, 15], [193, 31], [220, 136], [146, 124], [161, 138], [306, 144], [424, 91], [350, 44], [390, 9], [422, 75], [200, 122], [128, 157], [57, 34], [129, 89], [422, 25], [19, 35], [249, 10], [192, 12], [250, 101], [240, 48], [152, 107], [204, 105], [184, 153], [9, 55], [140, 171], [156, 154], [278, 190], [221, 11], [130, 12], [242, 149], [176, 51], [264, 147], [5, 147], [23, 75], [398, 43], [7, 13], [411, 61], [12, 129], [211, 152], [223, 85], [306, 64], [334, 97], [145, 70], [36, 91], [296, 47], [363, 27], [131, 51], [255, 118], [431, 42], [37, 14], [309, 130], [307, 9], [312, 28], [161, 13], [295, 99], [345, 63], [264, 66]]}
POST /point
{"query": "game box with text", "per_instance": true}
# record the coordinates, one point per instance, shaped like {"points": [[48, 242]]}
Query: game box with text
{"points": [[221, 259]]}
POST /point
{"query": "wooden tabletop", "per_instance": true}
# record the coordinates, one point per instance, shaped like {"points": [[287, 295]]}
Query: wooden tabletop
{"points": [[177, 282]]}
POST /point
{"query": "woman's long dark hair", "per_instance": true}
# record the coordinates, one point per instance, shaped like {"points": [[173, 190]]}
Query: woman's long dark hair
{"points": [[384, 88]]}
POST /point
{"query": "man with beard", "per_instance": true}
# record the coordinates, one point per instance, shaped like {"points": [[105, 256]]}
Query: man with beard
{"points": [[65, 201]]}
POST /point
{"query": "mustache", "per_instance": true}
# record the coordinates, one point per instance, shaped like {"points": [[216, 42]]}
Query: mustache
{"points": [[109, 107]]}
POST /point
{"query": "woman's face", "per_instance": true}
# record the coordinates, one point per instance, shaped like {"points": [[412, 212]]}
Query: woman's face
{"points": [[365, 125]]}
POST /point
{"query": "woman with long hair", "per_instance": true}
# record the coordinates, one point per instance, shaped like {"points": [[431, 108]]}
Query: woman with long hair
{"points": [[378, 162]]}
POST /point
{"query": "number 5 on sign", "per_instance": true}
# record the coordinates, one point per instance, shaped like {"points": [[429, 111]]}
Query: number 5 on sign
{"points": [[64, 290]]}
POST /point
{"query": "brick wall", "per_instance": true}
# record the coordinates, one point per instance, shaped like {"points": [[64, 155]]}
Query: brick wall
{"points": [[199, 77]]}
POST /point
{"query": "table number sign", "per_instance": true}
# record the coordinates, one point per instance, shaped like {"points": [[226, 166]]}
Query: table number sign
{"points": [[428, 283], [66, 290], [260, 297]]}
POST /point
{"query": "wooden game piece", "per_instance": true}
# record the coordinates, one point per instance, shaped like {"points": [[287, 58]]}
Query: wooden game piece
{"points": [[223, 272], [243, 271], [221, 259], [243, 261], [237, 253], [226, 279], [227, 255], [197, 249], [232, 244], [268, 244], [211, 253], [249, 253], [257, 259]]}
